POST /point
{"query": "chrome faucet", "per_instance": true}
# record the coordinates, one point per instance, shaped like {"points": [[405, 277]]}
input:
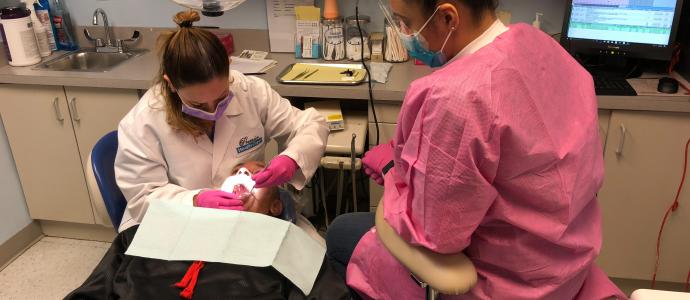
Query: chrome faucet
{"points": [[108, 46], [106, 26]]}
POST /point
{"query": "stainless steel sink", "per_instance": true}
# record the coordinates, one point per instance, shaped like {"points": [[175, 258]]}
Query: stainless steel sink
{"points": [[87, 60]]}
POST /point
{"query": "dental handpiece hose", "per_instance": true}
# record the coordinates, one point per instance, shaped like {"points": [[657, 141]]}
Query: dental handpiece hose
{"points": [[371, 93]]}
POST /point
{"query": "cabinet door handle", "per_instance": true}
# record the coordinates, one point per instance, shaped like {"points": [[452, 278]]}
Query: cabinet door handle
{"points": [[56, 107], [75, 113], [621, 143]]}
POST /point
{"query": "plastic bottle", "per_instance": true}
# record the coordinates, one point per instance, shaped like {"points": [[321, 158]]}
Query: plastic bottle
{"points": [[42, 10], [63, 26], [18, 37], [537, 21], [39, 32]]}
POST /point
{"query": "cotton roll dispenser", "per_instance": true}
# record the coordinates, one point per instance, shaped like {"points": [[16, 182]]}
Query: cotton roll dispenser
{"points": [[354, 39]]}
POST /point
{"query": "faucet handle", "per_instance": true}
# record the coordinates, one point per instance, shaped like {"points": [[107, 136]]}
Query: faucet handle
{"points": [[134, 38], [98, 42], [120, 43]]}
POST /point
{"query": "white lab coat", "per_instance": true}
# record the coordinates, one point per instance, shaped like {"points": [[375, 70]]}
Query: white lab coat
{"points": [[156, 162]]}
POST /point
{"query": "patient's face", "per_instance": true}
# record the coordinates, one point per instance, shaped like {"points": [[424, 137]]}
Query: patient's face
{"points": [[264, 201]]}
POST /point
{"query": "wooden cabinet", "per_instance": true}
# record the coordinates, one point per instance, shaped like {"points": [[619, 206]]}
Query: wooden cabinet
{"points": [[41, 136], [604, 120], [644, 162], [51, 131], [95, 112]]}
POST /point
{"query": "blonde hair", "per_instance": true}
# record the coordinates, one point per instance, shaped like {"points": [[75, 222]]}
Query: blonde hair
{"points": [[188, 56]]}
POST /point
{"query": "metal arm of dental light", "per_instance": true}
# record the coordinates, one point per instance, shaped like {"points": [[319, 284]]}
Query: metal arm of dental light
{"points": [[210, 8]]}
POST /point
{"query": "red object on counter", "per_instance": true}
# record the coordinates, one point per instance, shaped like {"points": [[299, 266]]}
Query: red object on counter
{"points": [[228, 42]]}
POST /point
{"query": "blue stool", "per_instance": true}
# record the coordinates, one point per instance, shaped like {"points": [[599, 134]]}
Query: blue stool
{"points": [[103, 166]]}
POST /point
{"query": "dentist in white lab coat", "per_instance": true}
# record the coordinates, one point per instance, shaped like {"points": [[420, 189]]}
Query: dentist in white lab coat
{"points": [[181, 141]]}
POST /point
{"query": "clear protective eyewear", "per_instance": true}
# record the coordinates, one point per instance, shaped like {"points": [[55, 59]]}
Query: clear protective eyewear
{"points": [[398, 23]]}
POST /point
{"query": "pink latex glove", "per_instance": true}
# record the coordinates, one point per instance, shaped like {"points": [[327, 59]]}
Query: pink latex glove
{"points": [[280, 170], [219, 200], [376, 159]]}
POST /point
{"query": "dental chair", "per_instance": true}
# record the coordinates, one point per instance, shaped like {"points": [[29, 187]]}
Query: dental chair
{"points": [[107, 199], [449, 274]]}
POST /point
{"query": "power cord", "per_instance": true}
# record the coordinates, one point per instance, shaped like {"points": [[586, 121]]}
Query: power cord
{"points": [[671, 209], [371, 92]]}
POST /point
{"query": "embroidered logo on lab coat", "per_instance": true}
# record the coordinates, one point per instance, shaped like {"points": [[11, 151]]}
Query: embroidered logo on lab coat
{"points": [[247, 144]]}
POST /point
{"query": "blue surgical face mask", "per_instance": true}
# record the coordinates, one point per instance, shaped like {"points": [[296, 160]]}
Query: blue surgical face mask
{"points": [[418, 47]]}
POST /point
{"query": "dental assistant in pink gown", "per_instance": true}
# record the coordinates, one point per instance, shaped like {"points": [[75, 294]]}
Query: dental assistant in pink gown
{"points": [[496, 155]]}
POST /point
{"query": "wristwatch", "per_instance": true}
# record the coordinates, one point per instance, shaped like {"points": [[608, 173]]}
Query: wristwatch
{"points": [[387, 168]]}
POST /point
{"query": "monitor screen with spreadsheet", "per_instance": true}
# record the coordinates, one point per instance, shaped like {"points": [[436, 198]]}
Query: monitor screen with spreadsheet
{"points": [[623, 26]]}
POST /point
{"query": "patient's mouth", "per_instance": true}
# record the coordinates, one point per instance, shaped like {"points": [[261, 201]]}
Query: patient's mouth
{"points": [[240, 190]]}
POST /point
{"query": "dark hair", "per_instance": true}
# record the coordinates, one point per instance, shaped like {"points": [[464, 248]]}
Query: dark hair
{"points": [[477, 6], [188, 56]]}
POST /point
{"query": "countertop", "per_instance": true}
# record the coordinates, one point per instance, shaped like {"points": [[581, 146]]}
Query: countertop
{"points": [[135, 73], [139, 72]]}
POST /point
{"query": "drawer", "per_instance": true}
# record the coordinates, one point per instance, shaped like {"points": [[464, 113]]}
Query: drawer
{"points": [[385, 113], [387, 132]]}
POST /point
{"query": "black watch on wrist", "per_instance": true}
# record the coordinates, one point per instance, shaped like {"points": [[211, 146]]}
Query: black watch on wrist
{"points": [[387, 168]]}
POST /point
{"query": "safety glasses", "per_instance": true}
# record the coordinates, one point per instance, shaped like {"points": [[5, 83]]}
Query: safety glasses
{"points": [[398, 23], [393, 20]]}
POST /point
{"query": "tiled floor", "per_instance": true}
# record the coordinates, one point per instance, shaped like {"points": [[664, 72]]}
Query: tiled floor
{"points": [[53, 267], [50, 269]]}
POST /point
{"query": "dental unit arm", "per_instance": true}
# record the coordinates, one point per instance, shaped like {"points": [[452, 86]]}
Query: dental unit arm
{"points": [[210, 8]]}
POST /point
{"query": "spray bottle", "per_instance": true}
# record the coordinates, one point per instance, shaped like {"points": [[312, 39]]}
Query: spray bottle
{"points": [[42, 10], [63, 26], [39, 31]]}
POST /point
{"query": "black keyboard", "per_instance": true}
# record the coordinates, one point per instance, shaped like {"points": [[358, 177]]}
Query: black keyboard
{"points": [[613, 87]]}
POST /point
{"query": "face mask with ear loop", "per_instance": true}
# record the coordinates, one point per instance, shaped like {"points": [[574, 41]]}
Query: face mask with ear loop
{"points": [[204, 115], [415, 43]]}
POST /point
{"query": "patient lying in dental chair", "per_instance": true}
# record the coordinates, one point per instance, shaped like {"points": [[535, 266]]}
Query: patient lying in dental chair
{"points": [[271, 201], [120, 276]]}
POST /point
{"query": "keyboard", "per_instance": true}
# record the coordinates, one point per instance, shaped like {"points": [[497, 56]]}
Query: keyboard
{"points": [[613, 87]]}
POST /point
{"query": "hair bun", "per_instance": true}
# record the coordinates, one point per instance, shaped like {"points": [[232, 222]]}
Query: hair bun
{"points": [[185, 19]]}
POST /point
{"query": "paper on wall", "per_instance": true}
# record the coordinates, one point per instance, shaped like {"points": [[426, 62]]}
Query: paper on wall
{"points": [[281, 23], [177, 232]]}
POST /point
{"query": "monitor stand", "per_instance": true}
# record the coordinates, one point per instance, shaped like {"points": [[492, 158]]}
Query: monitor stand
{"points": [[610, 74], [615, 67]]}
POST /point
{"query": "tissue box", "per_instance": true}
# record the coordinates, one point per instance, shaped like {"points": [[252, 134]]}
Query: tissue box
{"points": [[331, 111]]}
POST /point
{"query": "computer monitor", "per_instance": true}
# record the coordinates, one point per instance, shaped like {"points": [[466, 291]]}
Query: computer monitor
{"points": [[644, 29]]}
